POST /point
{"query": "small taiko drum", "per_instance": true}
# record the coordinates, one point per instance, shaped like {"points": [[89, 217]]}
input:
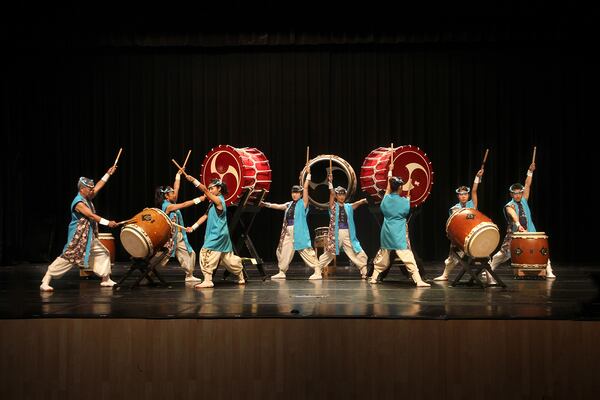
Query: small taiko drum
{"points": [[321, 234], [409, 162], [108, 241], [241, 169], [318, 190], [473, 232], [529, 253], [146, 233]]}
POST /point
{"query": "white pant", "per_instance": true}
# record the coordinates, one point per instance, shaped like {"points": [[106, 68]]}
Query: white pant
{"points": [[285, 254], [382, 262], [502, 256], [99, 260], [451, 262], [210, 260], [358, 259], [186, 259]]}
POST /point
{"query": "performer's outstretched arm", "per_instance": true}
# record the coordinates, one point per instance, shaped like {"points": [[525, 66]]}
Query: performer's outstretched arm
{"points": [[528, 180], [475, 186], [103, 181]]}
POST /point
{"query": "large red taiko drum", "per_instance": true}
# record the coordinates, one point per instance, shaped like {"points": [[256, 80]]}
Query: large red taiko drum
{"points": [[241, 169], [409, 162]]}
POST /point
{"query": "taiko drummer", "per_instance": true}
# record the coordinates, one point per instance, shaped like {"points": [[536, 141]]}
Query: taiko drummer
{"points": [[518, 218], [83, 246], [165, 198], [462, 193]]}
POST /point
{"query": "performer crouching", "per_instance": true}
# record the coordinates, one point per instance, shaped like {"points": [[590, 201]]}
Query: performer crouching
{"points": [[342, 232], [462, 193], [217, 247], [518, 219], [166, 199], [83, 245], [394, 233], [294, 232]]}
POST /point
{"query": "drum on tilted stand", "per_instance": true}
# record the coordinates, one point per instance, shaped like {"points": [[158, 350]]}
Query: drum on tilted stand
{"points": [[108, 241], [409, 162], [529, 254], [247, 173], [145, 237], [473, 232]]}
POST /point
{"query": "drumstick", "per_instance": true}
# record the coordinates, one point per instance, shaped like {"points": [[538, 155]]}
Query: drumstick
{"points": [[485, 158], [186, 158], [307, 154], [179, 226], [533, 158], [125, 222], [178, 166], [118, 155], [330, 167], [392, 154]]}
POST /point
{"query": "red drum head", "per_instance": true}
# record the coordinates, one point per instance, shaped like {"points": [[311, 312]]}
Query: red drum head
{"points": [[240, 169], [409, 162]]}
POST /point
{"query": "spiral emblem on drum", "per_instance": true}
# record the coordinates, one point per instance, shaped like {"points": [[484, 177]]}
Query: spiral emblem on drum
{"points": [[241, 169], [318, 189], [410, 162]]}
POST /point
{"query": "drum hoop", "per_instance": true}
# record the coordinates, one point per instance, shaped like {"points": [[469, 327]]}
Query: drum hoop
{"points": [[529, 235], [136, 229], [348, 170], [477, 229], [529, 266]]}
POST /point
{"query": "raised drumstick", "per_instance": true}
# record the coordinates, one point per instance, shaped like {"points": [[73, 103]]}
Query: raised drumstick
{"points": [[330, 166], [307, 154], [179, 167], [533, 158], [485, 158], [118, 155], [186, 158]]}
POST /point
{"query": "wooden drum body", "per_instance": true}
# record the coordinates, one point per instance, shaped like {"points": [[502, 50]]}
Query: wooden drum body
{"points": [[473, 232], [147, 232], [108, 241], [529, 253]]}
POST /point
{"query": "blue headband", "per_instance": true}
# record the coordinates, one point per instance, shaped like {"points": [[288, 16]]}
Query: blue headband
{"points": [[458, 191], [166, 190], [87, 182]]}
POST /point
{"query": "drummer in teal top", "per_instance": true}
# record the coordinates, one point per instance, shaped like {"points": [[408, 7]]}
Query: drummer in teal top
{"points": [[166, 199], [518, 219], [294, 234], [462, 193], [394, 234], [83, 246], [217, 247], [342, 232]]}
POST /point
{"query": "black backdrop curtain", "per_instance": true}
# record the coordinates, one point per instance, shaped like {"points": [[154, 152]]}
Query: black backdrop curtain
{"points": [[65, 113]]}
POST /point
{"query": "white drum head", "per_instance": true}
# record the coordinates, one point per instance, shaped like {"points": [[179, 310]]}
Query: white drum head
{"points": [[134, 242], [483, 242]]}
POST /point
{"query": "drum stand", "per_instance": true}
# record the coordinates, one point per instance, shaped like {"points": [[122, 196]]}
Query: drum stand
{"points": [[147, 268], [474, 266], [243, 226], [378, 216]]}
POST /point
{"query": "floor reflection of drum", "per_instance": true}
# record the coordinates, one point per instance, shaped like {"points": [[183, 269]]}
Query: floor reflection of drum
{"points": [[473, 232], [240, 169], [343, 175], [149, 230], [529, 253], [409, 162], [108, 241]]}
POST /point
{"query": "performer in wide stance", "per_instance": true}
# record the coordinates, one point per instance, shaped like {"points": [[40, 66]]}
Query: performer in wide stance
{"points": [[166, 199], [294, 232], [342, 231], [394, 232], [83, 246], [462, 193], [217, 247], [518, 219]]}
